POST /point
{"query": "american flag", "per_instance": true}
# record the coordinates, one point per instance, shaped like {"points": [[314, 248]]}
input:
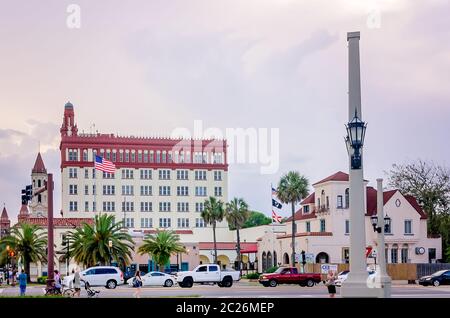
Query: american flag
{"points": [[104, 165], [276, 217]]}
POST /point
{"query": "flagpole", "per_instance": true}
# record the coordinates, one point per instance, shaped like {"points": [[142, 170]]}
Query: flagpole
{"points": [[273, 229]]}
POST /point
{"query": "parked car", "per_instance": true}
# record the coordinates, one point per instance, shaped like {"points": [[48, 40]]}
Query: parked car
{"points": [[207, 273], [289, 275], [156, 279], [108, 276], [439, 278], [342, 276]]}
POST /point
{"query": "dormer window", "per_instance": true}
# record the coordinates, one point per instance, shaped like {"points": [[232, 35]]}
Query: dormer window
{"points": [[306, 209]]}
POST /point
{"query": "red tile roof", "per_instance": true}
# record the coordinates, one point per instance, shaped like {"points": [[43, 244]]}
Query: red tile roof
{"points": [[372, 199], [309, 199], [300, 216], [4, 214], [412, 200], [338, 176], [60, 222], [227, 246], [306, 234], [39, 166]]}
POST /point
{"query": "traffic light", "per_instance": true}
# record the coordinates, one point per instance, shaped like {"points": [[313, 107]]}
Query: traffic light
{"points": [[27, 194], [303, 258]]}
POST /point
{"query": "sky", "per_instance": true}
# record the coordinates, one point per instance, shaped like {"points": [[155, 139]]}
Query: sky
{"points": [[149, 67]]}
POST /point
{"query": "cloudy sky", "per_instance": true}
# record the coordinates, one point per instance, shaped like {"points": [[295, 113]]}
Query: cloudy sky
{"points": [[146, 67]]}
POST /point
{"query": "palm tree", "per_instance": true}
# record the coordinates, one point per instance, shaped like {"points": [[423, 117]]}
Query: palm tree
{"points": [[89, 245], [161, 246], [292, 188], [28, 243], [213, 212], [237, 214]]}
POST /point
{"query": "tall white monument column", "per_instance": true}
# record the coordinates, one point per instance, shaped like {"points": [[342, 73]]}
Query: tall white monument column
{"points": [[356, 283]]}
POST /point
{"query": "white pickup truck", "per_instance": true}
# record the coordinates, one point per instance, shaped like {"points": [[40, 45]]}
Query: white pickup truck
{"points": [[207, 273]]}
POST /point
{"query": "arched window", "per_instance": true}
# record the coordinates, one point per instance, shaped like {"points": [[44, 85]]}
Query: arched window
{"points": [[394, 253], [404, 253], [322, 198], [286, 259], [347, 198], [269, 260], [275, 259], [264, 262]]}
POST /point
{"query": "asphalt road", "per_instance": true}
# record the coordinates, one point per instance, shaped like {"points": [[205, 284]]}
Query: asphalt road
{"points": [[242, 289]]}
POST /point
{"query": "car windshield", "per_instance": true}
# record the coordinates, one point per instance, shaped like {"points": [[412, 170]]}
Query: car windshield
{"points": [[439, 273], [281, 269]]}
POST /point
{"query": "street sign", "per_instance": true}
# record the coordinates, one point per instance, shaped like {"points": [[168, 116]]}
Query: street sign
{"points": [[374, 253], [324, 268]]}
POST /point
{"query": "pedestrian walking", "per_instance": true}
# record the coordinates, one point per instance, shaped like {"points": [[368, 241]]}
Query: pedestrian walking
{"points": [[330, 283], [77, 282], [58, 282], [23, 283], [137, 283]]}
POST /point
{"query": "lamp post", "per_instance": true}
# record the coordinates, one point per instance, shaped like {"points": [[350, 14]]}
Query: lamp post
{"points": [[380, 223], [110, 244], [7, 264], [356, 283]]}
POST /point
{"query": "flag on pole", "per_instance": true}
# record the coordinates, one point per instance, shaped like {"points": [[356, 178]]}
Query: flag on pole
{"points": [[104, 165], [276, 204], [275, 217], [274, 192]]}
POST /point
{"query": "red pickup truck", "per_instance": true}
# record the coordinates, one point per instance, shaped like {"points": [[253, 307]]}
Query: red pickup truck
{"points": [[289, 275]]}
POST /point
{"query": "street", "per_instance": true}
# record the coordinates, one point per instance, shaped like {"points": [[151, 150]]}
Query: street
{"points": [[241, 289]]}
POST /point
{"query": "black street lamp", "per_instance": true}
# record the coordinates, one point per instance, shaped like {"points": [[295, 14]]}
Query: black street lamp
{"points": [[110, 244], [356, 131], [376, 228]]}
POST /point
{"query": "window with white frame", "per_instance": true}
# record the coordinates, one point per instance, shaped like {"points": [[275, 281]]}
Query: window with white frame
{"points": [[217, 175], [133, 157], [146, 207], [73, 173], [145, 157], [109, 206], [127, 190], [129, 223], [182, 174], [140, 157], [86, 206], [94, 189], [146, 223], [121, 156], [86, 173], [73, 206], [73, 154], [73, 189], [146, 174], [93, 173], [308, 226], [182, 191], [347, 226], [127, 174], [322, 225], [164, 174], [108, 175], [200, 191], [200, 222], [218, 191], [114, 157], [127, 206], [146, 190], [158, 156], [305, 209], [408, 227], [199, 207], [404, 253], [339, 202], [85, 155], [164, 157], [164, 190], [127, 157], [152, 157], [183, 223], [109, 190], [394, 254], [164, 206], [182, 207], [200, 175], [165, 222], [94, 206]]}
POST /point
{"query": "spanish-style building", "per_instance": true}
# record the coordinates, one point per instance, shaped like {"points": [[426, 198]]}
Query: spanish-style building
{"points": [[323, 228]]}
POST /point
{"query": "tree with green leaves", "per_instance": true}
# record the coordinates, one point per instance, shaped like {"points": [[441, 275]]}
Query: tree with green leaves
{"points": [[255, 218], [430, 185], [292, 188], [236, 213], [89, 244], [29, 243], [161, 246], [212, 213]]}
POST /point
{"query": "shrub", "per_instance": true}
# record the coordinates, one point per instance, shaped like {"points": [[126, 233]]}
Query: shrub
{"points": [[272, 269], [42, 280], [252, 276]]}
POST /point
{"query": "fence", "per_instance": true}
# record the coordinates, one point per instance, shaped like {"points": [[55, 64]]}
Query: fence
{"points": [[403, 271]]}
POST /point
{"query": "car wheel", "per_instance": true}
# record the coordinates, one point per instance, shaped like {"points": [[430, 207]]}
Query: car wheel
{"points": [[227, 282], [220, 284], [111, 284], [188, 282], [273, 283], [436, 283], [168, 283], [310, 283]]}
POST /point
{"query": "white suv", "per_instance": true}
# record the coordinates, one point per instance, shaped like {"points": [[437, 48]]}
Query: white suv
{"points": [[107, 276]]}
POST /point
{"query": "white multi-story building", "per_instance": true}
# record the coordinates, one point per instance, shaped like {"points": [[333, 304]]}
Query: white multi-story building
{"points": [[158, 183], [323, 228]]}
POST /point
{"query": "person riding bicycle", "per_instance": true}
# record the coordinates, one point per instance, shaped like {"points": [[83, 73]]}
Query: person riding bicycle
{"points": [[57, 285]]}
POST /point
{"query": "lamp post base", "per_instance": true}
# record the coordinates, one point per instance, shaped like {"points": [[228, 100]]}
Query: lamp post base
{"points": [[358, 287], [383, 284]]}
